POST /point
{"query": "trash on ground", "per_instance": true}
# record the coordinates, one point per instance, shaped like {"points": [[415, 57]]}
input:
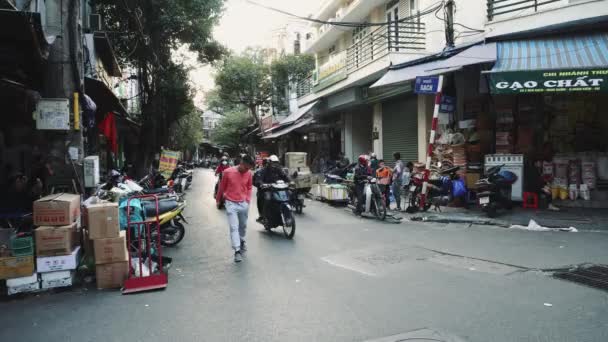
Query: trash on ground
{"points": [[533, 226]]}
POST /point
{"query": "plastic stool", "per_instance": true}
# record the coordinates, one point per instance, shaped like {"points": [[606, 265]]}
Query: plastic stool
{"points": [[530, 200]]}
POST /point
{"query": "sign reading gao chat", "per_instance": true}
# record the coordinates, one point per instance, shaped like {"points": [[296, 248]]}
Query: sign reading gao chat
{"points": [[168, 162], [427, 85]]}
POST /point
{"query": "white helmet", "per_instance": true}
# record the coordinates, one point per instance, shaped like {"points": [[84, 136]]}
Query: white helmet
{"points": [[273, 158]]}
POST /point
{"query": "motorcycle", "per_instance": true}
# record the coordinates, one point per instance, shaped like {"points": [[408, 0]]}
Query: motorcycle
{"points": [[182, 178], [170, 215], [439, 189], [494, 191], [375, 203], [277, 209]]}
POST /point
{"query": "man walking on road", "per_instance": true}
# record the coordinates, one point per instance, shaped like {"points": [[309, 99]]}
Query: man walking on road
{"points": [[397, 175], [235, 189]]}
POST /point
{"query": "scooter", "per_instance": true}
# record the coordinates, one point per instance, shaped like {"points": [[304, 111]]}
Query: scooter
{"points": [[375, 203], [439, 192], [170, 215], [277, 209], [494, 191]]}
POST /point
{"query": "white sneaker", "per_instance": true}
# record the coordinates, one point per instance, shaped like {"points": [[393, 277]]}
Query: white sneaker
{"points": [[552, 207]]}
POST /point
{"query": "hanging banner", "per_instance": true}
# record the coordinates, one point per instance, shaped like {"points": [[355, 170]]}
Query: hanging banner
{"points": [[557, 81], [168, 162]]}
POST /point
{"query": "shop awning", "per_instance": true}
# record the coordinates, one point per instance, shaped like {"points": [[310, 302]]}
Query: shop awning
{"points": [[477, 54], [551, 64], [106, 53], [289, 129], [293, 117], [103, 96]]}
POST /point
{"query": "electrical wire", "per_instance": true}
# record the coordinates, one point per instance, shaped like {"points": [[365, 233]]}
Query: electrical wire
{"points": [[420, 14]]}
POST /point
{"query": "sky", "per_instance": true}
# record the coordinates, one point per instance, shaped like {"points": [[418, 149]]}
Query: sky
{"points": [[242, 25]]}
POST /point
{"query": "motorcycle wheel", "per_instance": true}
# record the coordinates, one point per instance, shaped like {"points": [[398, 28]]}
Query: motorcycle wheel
{"points": [[379, 208], [299, 208], [289, 227], [173, 239]]}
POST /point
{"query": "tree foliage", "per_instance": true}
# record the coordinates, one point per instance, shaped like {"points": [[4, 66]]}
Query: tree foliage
{"points": [[144, 33], [186, 133], [245, 80], [230, 128], [286, 72]]}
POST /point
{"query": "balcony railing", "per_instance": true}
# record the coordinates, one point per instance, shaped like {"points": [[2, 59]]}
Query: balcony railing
{"points": [[499, 7], [397, 37]]}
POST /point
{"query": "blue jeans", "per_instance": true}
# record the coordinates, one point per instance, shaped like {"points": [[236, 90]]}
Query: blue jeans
{"points": [[237, 213]]}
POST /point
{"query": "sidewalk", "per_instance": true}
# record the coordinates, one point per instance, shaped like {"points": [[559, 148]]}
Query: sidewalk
{"points": [[579, 218]]}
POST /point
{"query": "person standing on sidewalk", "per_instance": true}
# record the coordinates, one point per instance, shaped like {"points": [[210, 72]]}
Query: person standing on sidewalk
{"points": [[397, 174], [235, 189]]}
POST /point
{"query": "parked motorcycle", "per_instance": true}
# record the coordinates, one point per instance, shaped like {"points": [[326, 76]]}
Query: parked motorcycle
{"points": [[494, 191], [181, 177], [277, 209], [375, 203], [170, 215], [440, 189]]}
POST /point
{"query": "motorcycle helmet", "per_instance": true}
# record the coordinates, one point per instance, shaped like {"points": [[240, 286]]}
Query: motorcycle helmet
{"points": [[363, 159], [273, 159]]}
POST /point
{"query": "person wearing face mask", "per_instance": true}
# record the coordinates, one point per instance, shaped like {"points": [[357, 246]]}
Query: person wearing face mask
{"points": [[269, 175], [219, 170]]}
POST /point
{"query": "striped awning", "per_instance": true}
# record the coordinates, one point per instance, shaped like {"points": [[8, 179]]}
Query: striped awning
{"points": [[549, 53], [556, 64]]}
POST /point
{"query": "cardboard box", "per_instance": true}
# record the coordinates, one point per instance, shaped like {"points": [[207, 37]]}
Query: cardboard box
{"points": [[295, 159], [102, 220], [56, 240], [58, 263], [23, 284], [471, 179], [57, 210], [111, 250], [57, 279], [111, 276], [15, 267]]}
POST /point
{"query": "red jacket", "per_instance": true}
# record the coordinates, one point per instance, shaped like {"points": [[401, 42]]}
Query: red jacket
{"points": [[221, 168]]}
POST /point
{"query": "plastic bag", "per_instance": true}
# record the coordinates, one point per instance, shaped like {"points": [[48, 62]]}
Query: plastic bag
{"points": [[459, 189]]}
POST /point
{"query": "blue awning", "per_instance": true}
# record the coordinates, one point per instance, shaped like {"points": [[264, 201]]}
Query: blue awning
{"points": [[550, 53]]}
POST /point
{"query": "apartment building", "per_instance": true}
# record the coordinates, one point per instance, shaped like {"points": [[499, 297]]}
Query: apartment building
{"points": [[362, 88]]}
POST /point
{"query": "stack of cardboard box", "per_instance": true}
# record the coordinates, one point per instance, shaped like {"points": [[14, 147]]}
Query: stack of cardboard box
{"points": [[109, 245], [57, 239]]}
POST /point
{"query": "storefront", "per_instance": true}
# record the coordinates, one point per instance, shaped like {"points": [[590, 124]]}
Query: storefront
{"points": [[548, 96]]}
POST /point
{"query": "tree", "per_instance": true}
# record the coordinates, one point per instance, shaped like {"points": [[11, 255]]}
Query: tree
{"points": [[144, 34], [245, 80], [230, 128], [286, 72], [186, 133]]}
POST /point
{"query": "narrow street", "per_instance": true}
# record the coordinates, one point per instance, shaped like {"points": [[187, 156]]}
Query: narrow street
{"points": [[341, 279]]}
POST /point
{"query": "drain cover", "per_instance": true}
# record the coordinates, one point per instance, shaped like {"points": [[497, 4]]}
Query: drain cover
{"points": [[595, 276]]}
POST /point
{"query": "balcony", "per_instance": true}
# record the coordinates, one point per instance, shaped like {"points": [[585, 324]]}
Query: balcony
{"points": [[512, 16], [401, 38]]}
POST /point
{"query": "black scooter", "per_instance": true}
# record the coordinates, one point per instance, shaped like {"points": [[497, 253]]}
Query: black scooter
{"points": [[277, 208], [494, 191]]}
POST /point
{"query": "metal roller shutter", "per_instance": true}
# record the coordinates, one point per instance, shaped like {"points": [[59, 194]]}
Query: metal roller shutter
{"points": [[400, 129]]}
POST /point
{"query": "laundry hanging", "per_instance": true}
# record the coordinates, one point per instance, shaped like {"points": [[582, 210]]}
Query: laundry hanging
{"points": [[107, 127]]}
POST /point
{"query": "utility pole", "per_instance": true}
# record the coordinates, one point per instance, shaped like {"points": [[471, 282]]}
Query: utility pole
{"points": [[449, 24]]}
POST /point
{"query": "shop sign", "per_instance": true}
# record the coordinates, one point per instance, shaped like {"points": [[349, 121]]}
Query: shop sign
{"points": [[427, 84], [447, 108], [53, 114], [168, 162], [331, 72], [549, 81]]}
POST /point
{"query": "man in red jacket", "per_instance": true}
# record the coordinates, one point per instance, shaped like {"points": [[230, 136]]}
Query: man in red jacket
{"points": [[235, 189]]}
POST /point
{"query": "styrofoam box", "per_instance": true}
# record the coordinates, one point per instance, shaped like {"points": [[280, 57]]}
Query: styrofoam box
{"points": [[23, 284], [57, 279], [58, 263]]}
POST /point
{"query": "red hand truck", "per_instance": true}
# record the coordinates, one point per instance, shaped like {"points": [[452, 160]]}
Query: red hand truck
{"points": [[154, 280]]}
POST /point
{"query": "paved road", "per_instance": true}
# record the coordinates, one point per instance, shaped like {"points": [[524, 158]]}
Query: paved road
{"points": [[341, 279]]}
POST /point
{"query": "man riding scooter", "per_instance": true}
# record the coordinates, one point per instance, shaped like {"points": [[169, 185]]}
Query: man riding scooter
{"points": [[362, 174], [268, 175]]}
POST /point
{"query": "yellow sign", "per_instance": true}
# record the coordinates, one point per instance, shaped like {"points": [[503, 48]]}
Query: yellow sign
{"points": [[168, 162]]}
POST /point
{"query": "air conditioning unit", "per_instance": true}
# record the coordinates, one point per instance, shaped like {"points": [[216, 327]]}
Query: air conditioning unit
{"points": [[94, 22]]}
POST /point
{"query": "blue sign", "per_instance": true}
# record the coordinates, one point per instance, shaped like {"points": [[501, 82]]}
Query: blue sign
{"points": [[448, 104], [427, 85]]}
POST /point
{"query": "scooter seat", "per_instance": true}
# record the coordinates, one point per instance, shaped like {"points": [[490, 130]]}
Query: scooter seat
{"points": [[155, 191], [164, 206]]}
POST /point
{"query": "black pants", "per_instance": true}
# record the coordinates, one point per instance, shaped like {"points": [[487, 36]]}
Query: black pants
{"points": [[360, 193], [386, 190], [260, 202]]}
